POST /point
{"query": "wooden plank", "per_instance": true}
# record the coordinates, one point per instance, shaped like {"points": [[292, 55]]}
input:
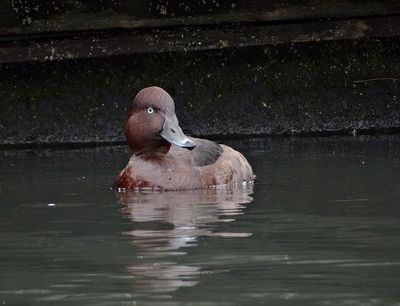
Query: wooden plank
{"points": [[193, 39], [33, 17]]}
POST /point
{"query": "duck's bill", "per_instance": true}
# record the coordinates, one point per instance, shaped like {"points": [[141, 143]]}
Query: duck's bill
{"points": [[172, 133]]}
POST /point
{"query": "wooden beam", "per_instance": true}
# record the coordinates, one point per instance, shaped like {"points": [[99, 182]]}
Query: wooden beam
{"points": [[94, 44]]}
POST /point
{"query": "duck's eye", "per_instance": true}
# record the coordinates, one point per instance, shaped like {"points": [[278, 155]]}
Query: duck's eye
{"points": [[150, 110]]}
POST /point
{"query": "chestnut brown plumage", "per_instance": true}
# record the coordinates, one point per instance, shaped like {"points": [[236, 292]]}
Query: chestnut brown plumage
{"points": [[165, 158]]}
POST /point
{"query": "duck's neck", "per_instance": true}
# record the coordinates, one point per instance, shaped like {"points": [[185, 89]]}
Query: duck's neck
{"points": [[151, 150]]}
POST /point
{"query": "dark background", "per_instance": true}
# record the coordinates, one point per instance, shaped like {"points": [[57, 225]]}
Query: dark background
{"points": [[68, 69]]}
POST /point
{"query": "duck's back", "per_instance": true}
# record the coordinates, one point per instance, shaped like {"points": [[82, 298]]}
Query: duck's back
{"points": [[218, 164], [205, 153], [229, 169]]}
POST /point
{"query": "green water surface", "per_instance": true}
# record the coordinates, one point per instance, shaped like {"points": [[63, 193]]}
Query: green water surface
{"points": [[320, 227]]}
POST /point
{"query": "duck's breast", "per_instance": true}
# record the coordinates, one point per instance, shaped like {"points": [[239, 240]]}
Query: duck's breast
{"points": [[165, 173]]}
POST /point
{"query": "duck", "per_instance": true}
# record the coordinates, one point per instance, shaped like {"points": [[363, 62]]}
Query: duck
{"points": [[164, 158]]}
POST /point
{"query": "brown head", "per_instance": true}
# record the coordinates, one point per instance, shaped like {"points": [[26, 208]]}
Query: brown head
{"points": [[151, 125]]}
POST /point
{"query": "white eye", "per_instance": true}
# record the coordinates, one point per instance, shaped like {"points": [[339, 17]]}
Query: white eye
{"points": [[150, 110]]}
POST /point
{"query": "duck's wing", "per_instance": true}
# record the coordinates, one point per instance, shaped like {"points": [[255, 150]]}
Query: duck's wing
{"points": [[205, 153]]}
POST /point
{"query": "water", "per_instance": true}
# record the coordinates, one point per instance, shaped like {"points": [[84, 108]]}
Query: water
{"points": [[320, 227]]}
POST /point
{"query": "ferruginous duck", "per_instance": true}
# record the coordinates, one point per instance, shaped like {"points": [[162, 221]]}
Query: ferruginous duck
{"points": [[165, 158]]}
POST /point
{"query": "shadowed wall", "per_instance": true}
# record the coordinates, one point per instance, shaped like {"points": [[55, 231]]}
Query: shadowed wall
{"points": [[69, 79]]}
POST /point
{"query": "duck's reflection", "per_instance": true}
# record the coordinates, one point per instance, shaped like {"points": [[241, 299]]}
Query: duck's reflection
{"points": [[165, 224]]}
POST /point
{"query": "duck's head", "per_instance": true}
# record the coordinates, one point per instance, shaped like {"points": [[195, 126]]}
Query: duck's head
{"points": [[152, 125]]}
